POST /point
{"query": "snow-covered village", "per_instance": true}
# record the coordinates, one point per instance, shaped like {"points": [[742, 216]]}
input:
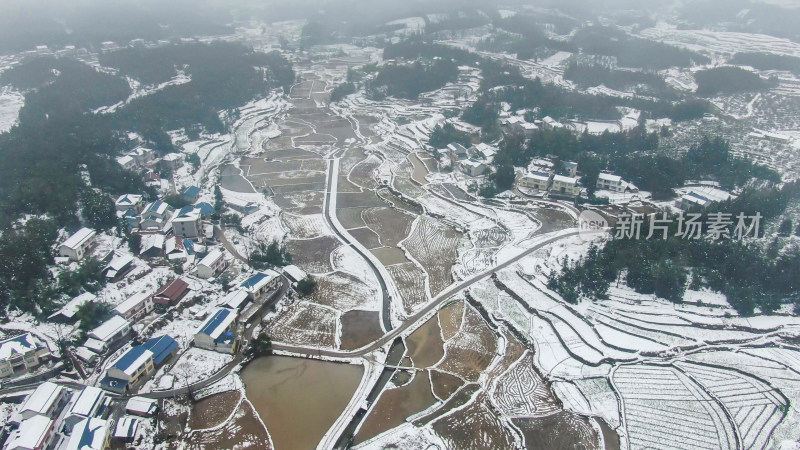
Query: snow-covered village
{"points": [[450, 225]]}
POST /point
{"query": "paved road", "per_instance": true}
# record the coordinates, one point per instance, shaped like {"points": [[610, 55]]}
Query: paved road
{"points": [[413, 320]]}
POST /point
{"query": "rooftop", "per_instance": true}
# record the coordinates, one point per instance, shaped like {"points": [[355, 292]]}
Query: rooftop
{"points": [[88, 434], [217, 323], [131, 303], [79, 238], [126, 427], [161, 347], [88, 401], [132, 360], [109, 328], [73, 305], [19, 345], [191, 191], [235, 299], [31, 433], [173, 290], [128, 199], [211, 258], [259, 280], [565, 180], [141, 405], [40, 400], [294, 272], [610, 177]]}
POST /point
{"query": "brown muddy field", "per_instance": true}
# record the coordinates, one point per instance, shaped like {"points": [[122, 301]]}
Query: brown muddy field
{"points": [[213, 410], [389, 256], [359, 328], [313, 255], [475, 426], [395, 405], [366, 237], [350, 217], [390, 224], [560, 431], [410, 281], [245, 431], [450, 319], [425, 345], [444, 384]]}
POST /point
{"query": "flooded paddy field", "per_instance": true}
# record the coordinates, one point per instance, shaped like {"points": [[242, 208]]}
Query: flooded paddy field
{"points": [[299, 399]]}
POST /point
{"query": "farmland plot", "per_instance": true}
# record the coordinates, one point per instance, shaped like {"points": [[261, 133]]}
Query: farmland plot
{"points": [[754, 405], [305, 323], [563, 430], [391, 225], [305, 227], [434, 246], [472, 349], [343, 291], [410, 281], [363, 174], [663, 407], [522, 392], [474, 426], [313, 255]]}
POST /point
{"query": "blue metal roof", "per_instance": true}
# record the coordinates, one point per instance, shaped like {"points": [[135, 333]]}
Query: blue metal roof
{"points": [[185, 210], [226, 337], [205, 208], [252, 281], [212, 324], [130, 357], [191, 191], [162, 347]]}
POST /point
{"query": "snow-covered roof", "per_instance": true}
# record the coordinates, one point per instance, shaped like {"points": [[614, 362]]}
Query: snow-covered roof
{"points": [[541, 176], [131, 303], [87, 402], [152, 241], [610, 177], [84, 353], [188, 215], [217, 323], [141, 405], [108, 329], [79, 238], [565, 180], [73, 305], [119, 262], [40, 400], [19, 345], [124, 160], [132, 360], [157, 207], [235, 299], [172, 157], [88, 434], [31, 433], [470, 163], [294, 273], [211, 258], [128, 200], [126, 427], [259, 280]]}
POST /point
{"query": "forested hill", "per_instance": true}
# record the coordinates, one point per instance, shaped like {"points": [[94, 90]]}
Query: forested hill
{"points": [[57, 131]]}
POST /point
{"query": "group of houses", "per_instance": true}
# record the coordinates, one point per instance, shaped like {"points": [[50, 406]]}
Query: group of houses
{"points": [[542, 178], [57, 417]]}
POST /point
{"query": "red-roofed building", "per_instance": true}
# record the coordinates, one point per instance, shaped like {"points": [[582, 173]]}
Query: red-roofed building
{"points": [[171, 293]]}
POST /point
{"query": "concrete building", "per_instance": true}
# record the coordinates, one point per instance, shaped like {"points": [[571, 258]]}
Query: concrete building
{"points": [[89, 434], [294, 273], [135, 307], [236, 300], [155, 216], [191, 194], [163, 348], [171, 293], [217, 332], [212, 265], [483, 151], [92, 402], [47, 400], [126, 428], [571, 168], [127, 202], [188, 223], [76, 246], [36, 433], [693, 200], [118, 267], [141, 406], [110, 332], [22, 353], [613, 183], [260, 283], [473, 168], [539, 181], [133, 367], [565, 186], [458, 151]]}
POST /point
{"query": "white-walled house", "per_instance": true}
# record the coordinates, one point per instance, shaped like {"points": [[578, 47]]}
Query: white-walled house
{"points": [[36, 433], [25, 351], [135, 307], [109, 332], [473, 168], [127, 202], [47, 400], [565, 186], [91, 402], [539, 181], [260, 283], [217, 332], [187, 223], [129, 369], [76, 246], [212, 265]]}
